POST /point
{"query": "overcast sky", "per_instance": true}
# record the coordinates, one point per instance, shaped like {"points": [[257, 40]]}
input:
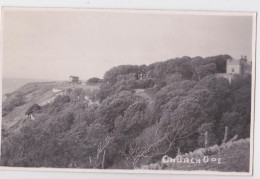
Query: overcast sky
{"points": [[54, 43]]}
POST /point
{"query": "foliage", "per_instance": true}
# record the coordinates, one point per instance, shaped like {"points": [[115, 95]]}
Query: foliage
{"points": [[141, 113], [15, 101], [94, 80], [33, 108]]}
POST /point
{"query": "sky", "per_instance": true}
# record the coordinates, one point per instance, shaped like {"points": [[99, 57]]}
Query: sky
{"points": [[56, 43]]}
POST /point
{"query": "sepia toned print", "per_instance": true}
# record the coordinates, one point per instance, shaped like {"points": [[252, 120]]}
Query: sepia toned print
{"points": [[134, 91]]}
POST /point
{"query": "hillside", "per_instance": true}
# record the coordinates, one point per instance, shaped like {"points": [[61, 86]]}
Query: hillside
{"points": [[12, 84], [35, 93], [134, 116]]}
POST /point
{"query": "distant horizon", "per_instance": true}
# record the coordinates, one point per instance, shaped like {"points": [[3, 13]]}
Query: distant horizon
{"points": [[7, 77], [80, 77], [56, 43]]}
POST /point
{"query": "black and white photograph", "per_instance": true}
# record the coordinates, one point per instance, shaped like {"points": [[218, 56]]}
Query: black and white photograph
{"points": [[132, 91]]}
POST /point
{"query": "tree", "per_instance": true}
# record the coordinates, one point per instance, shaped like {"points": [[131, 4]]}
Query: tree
{"points": [[148, 144], [112, 107], [207, 137], [220, 62], [133, 122], [111, 75], [242, 102], [97, 141], [229, 120], [62, 123], [175, 125], [94, 80], [201, 70], [61, 99]]}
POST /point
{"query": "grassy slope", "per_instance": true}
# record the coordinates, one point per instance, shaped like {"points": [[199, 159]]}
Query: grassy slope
{"points": [[34, 93]]}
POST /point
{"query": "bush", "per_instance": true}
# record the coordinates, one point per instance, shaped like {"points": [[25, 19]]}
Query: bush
{"points": [[94, 80], [61, 99], [33, 108], [18, 100]]}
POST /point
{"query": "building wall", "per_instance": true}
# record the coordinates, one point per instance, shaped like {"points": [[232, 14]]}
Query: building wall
{"points": [[74, 78], [233, 69]]}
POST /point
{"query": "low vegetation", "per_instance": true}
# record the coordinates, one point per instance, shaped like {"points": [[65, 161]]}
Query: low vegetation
{"points": [[228, 157], [16, 101]]}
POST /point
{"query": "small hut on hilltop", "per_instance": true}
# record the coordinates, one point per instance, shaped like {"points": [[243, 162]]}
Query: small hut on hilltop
{"points": [[74, 79]]}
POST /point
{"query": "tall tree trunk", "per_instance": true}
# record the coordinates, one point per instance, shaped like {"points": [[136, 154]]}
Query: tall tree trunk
{"points": [[179, 151], [103, 162], [225, 135], [90, 160], [135, 162], [196, 70], [206, 139]]}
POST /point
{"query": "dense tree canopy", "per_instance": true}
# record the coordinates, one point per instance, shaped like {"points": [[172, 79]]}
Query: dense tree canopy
{"points": [[143, 112]]}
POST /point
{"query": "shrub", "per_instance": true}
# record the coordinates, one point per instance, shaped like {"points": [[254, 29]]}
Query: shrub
{"points": [[18, 100], [94, 80], [33, 108], [61, 99]]}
